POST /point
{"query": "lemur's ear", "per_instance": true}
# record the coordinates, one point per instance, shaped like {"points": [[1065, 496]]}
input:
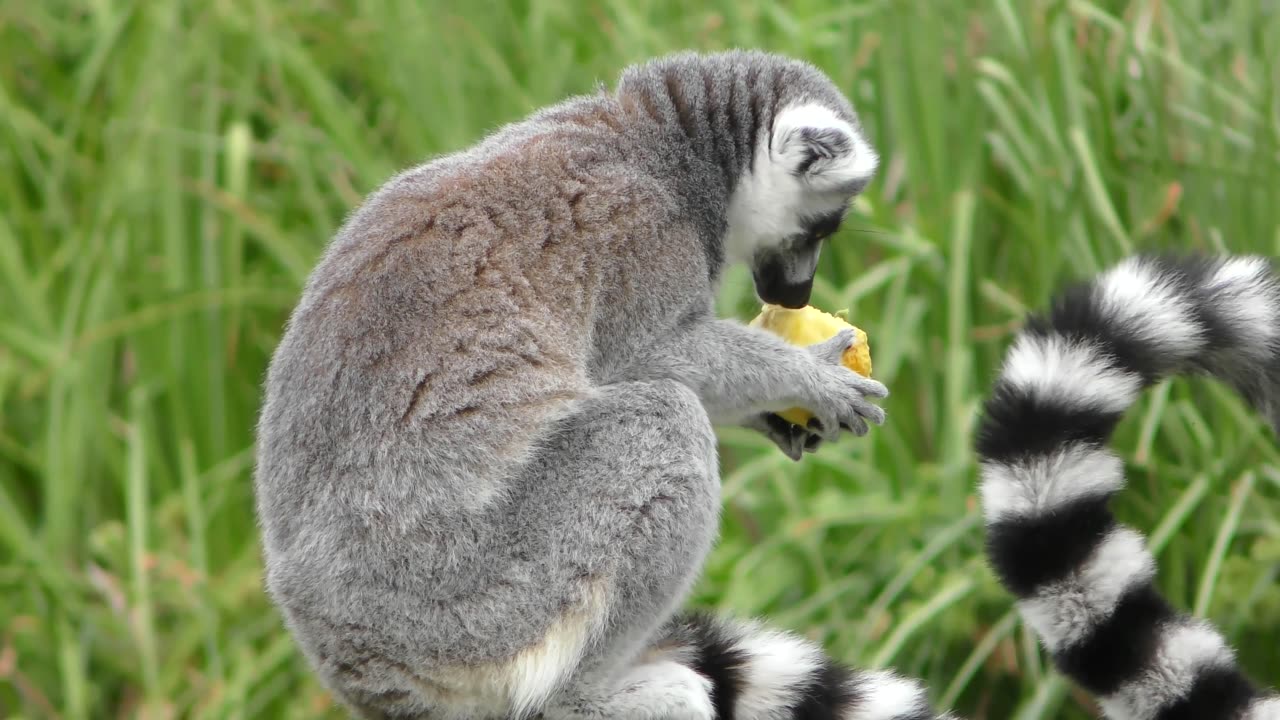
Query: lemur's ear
{"points": [[817, 148], [811, 143]]}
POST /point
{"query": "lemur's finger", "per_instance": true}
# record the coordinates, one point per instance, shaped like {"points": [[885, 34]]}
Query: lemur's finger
{"points": [[832, 349], [869, 387]]}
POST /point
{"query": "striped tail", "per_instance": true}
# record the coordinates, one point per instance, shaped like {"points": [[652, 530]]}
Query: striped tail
{"points": [[757, 673], [1084, 582]]}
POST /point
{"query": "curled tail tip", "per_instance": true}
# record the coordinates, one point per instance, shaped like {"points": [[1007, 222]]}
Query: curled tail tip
{"points": [[1154, 313], [1085, 583], [1073, 371]]}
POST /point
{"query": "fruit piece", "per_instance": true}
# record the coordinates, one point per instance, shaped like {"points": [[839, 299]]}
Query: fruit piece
{"points": [[808, 326]]}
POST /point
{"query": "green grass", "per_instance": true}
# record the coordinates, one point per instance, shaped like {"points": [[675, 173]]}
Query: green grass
{"points": [[170, 171]]}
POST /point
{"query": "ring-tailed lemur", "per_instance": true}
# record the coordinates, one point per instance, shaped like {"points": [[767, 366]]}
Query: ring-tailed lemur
{"points": [[1085, 583], [486, 472]]}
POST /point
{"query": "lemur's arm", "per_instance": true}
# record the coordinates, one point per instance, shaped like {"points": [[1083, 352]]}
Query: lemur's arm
{"points": [[741, 373]]}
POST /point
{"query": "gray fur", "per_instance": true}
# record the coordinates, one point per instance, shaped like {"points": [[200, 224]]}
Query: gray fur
{"points": [[489, 421]]}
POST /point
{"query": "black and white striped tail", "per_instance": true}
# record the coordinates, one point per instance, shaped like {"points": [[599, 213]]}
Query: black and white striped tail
{"points": [[1084, 582], [761, 674]]}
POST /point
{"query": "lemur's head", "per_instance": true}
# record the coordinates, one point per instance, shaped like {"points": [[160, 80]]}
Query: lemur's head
{"points": [[808, 167], [789, 141]]}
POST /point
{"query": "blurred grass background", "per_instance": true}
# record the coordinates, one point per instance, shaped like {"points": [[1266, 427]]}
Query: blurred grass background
{"points": [[169, 172]]}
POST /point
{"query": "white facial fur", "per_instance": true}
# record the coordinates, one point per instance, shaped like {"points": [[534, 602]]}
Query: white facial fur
{"points": [[770, 201]]}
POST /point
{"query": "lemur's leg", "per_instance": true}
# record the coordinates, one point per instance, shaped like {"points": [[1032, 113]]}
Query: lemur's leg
{"points": [[633, 483], [747, 672]]}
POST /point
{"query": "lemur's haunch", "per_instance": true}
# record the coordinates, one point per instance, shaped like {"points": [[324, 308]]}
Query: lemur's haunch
{"points": [[1084, 582], [486, 473]]}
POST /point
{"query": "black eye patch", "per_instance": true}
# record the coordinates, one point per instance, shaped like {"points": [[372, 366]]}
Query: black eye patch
{"points": [[823, 226]]}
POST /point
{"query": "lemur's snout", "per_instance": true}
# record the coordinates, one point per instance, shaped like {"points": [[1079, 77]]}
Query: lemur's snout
{"points": [[779, 282], [774, 289]]}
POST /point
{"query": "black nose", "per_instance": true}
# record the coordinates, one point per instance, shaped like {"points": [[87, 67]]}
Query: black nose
{"points": [[789, 295]]}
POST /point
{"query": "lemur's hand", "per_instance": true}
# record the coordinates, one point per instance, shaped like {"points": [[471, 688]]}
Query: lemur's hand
{"points": [[838, 402], [837, 397], [790, 439]]}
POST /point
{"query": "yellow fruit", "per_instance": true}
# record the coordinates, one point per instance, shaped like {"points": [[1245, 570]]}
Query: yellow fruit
{"points": [[808, 326]]}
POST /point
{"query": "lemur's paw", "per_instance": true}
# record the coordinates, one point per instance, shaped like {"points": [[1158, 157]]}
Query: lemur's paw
{"points": [[832, 353], [792, 440], [843, 398]]}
